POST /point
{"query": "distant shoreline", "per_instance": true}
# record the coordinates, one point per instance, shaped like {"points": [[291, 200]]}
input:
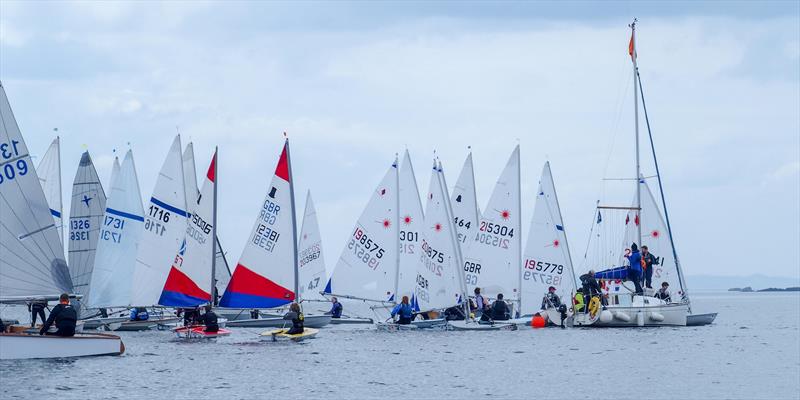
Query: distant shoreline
{"points": [[748, 289]]}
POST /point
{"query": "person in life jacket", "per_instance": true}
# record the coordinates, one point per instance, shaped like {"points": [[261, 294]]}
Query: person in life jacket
{"points": [[481, 305], [579, 302], [336, 308], [36, 308], [403, 311], [551, 299], [635, 269], [64, 316], [139, 314], [500, 311], [209, 319], [663, 293], [648, 260], [297, 318]]}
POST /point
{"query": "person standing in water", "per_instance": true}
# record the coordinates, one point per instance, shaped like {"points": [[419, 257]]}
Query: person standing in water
{"points": [[64, 316], [297, 318], [403, 311]]}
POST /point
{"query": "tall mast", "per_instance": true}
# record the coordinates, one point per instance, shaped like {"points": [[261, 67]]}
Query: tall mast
{"points": [[213, 291], [397, 228], [454, 239], [519, 235], [636, 124], [294, 225]]}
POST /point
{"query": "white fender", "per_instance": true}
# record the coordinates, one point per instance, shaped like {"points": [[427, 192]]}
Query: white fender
{"points": [[656, 317], [622, 316], [606, 316], [640, 318]]}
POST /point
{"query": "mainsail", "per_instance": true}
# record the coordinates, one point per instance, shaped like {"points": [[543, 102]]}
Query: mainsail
{"points": [[189, 281], [265, 276], [114, 172], [437, 285], [465, 204], [546, 259], [311, 267], [49, 171], [367, 267], [85, 221], [31, 254], [115, 258], [411, 225], [164, 234], [222, 272], [492, 261]]}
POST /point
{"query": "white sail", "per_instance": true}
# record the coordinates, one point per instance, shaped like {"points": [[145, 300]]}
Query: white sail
{"points": [[367, 267], [85, 221], [265, 276], [222, 272], [189, 281], [114, 172], [311, 266], [546, 259], [411, 225], [122, 227], [49, 171], [437, 267], [190, 175], [656, 237], [465, 204], [31, 254], [164, 230], [492, 261]]}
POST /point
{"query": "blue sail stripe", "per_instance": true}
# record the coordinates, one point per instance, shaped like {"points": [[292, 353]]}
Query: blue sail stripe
{"points": [[125, 215], [168, 207], [55, 213]]}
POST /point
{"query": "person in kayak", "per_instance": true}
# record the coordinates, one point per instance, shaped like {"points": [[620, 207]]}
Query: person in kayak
{"points": [[209, 319], [336, 308], [64, 316], [635, 269], [36, 308], [500, 311], [139, 314], [648, 260], [663, 293], [297, 318], [551, 299], [403, 311]]}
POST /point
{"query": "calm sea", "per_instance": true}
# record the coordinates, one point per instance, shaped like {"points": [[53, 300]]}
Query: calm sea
{"points": [[751, 351]]}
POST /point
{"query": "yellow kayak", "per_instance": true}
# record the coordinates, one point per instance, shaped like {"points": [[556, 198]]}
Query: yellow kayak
{"points": [[280, 334]]}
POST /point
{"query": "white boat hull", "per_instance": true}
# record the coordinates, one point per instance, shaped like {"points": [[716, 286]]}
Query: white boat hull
{"points": [[311, 321], [439, 323], [94, 323], [145, 325], [475, 326], [15, 346], [645, 311]]}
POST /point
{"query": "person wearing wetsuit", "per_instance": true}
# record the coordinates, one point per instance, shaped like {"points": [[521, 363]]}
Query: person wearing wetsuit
{"points": [[209, 319], [36, 308], [551, 299], [403, 311], [65, 317], [663, 293], [336, 308], [297, 318], [500, 311], [190, 316]]}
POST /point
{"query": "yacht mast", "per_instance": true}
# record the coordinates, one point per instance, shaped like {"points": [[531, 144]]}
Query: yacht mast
{"points": [[632, 51]]}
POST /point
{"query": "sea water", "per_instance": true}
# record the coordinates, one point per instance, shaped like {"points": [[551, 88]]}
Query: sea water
{"points": [[751, 351]]}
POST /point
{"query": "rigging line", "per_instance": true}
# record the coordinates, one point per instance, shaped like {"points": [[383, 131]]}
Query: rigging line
{"points": [[615, 126]]}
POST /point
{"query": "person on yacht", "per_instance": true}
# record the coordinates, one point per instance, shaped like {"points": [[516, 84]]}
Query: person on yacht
{"points": [[663, 293]]}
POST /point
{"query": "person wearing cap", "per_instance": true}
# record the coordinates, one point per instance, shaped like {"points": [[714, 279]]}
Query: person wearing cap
{"points": [[663, 293], [551, 299], [635, 268], [648, 259]]}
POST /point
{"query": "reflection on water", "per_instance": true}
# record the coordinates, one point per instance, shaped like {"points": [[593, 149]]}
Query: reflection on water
{"points": [[752, 351]]}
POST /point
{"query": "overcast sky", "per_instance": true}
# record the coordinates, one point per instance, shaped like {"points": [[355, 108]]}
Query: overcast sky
{"points": [[355, 83]]}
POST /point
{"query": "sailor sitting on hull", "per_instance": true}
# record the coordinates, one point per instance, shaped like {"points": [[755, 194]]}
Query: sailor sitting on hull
{"points": [[139, 314], [209, 319], [65, 317], [403, 311], [500, 309], [297, 318]]}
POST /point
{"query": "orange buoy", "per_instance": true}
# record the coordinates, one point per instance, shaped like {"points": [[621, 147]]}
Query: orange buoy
{"points": [[538, 322]]}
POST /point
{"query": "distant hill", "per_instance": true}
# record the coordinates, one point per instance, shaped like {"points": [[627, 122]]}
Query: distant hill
{"points": [[756, 281]]}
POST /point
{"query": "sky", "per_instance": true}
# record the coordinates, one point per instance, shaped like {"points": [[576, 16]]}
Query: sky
{"points": [[354, 83]]}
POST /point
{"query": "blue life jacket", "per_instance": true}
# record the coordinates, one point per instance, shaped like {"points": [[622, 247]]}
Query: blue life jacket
{"points": [[404, 310], [143, 316], [336, 310], [636, 261]]}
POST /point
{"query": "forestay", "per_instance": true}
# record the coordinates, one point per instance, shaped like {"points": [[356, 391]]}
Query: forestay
{"points": [[85, 221], [411, 224], [49, 172], [164, 230], [465, 205], [546, 259], [31, 254], [265, 274], [121, 229], [437, 267], [367, 267], [311, 267], [189, 281], [492, 261]]}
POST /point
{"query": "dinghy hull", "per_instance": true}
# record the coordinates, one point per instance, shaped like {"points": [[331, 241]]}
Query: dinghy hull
{"points": [[135, 326], [199, 332], [95, 323], [311, 321], [277, 335], [700, 319], [15, 346]]}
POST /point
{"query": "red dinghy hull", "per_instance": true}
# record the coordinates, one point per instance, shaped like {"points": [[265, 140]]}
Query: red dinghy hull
{"points": [[199, 332]]}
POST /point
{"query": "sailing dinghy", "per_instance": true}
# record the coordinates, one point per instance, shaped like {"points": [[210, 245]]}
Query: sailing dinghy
{"points": [[279, 335], [32, 256]]}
